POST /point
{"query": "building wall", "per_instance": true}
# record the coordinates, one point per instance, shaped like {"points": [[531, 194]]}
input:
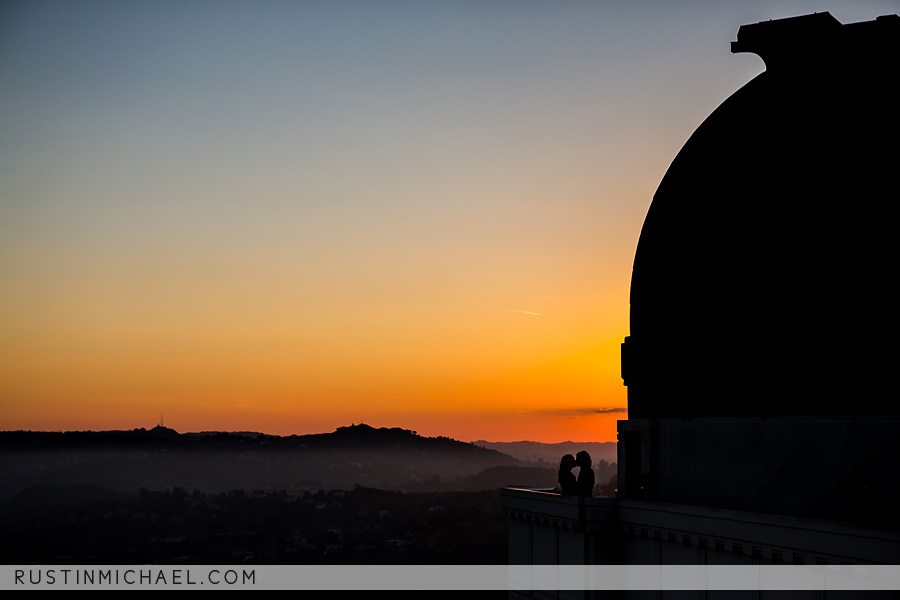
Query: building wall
{"points": [[840, 468], [551, 529]]}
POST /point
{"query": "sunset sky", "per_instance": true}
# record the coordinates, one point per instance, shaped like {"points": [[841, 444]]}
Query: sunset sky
{"points": [[291, 216]]}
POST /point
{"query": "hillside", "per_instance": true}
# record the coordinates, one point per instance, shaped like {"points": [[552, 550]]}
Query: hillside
{"points": [[156, 459]]}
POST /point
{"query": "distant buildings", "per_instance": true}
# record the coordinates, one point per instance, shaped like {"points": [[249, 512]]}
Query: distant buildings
{"points": [[763, 425]]}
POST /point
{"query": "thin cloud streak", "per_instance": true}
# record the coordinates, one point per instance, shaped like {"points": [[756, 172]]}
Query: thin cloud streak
{"points": [[580, 412]]}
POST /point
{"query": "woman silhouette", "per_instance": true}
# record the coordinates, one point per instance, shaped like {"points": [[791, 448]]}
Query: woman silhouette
{"points": [[566, 477]]}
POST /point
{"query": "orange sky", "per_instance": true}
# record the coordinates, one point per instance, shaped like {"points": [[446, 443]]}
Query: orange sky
{"points": [[492, 373], [292, 220]]}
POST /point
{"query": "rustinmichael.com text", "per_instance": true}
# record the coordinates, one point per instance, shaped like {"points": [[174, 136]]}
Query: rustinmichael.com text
{"points": [[133, 576]]}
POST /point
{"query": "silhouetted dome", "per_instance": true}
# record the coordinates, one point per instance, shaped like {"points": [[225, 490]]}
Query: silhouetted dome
{"points": [[762, 278]]}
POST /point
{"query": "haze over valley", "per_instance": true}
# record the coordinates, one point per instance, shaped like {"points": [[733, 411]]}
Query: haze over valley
{"points": [[213, 462]]}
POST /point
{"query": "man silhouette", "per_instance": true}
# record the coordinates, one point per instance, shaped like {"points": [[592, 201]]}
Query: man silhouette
{"points": [[585, 483]]}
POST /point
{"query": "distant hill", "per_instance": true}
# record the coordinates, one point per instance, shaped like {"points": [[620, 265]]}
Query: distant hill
{"points": [[385, 458], [160, 458], [552, 453]]}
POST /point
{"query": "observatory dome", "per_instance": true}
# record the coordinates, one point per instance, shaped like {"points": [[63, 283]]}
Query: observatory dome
{"points": [[763, 279]]}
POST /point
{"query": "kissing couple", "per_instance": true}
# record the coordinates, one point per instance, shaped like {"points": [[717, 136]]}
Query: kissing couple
{"points": [[568, 484]]}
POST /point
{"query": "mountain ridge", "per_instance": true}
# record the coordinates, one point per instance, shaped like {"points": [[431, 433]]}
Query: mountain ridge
{"points": [[528, 451], [356, 433], [160, 458]]}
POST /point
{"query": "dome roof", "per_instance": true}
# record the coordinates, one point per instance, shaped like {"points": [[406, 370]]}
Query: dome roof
{"points": [[761, 281]]}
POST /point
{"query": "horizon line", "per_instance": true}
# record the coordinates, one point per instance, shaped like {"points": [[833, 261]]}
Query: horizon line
{"points": [[247, 432]]}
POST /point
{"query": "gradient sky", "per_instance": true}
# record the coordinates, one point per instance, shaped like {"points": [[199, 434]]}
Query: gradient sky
{"points": [[292, 216]]}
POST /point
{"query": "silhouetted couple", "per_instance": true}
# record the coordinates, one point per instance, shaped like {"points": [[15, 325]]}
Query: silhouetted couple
{"points": [[568, 484]]}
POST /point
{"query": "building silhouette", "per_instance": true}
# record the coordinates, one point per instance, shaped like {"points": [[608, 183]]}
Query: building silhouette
{"points": [[763, 424]]}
